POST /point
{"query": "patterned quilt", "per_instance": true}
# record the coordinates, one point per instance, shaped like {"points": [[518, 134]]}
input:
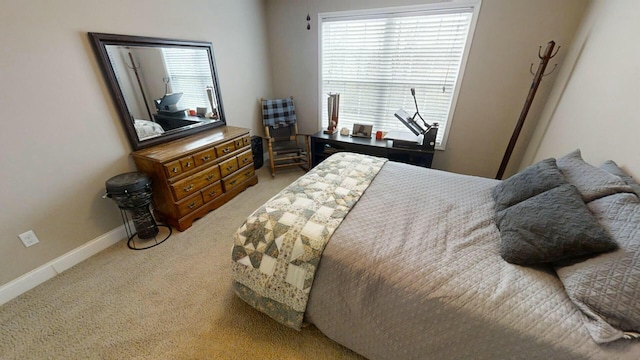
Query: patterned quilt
{"points": [[277, 250], [414, 272]]}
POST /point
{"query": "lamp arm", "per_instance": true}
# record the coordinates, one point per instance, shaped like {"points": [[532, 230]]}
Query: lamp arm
{"points": [[420, 116], [413, 93]]}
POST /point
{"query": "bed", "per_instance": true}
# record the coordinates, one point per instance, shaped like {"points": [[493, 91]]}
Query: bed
{"points": [[146, 129], [400, 262]]}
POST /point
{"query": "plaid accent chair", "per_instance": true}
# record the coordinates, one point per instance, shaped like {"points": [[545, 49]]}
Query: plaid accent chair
{"points": [[286, 147]]}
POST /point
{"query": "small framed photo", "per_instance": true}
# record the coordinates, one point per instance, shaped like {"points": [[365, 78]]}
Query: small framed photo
{"points": [[361, 129]]}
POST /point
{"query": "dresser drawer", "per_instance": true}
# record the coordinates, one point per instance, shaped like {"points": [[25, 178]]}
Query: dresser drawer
{"points": [[204, 157], [225, 148], [187, 163], [245, 158], [229, 166], [211, 192], [237, 179], [173, 168], [194, 183], [189, 204], [242, 142]]}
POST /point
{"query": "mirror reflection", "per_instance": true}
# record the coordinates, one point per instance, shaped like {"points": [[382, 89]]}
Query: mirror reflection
{"points": [[165, 88]]}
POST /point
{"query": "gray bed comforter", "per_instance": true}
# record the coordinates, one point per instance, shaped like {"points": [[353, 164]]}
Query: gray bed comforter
{"points": [[414, 272]]}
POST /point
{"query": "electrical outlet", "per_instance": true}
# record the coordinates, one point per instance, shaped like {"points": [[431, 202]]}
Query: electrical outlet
{"points": [[29, 238]]}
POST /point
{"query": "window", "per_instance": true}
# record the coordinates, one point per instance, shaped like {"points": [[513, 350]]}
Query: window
{"points": [[374, 58], [189, 73]]}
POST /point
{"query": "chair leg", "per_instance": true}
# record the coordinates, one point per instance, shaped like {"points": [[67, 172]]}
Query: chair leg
{"points": [[308, 148], [300, 161], [271, 162]]}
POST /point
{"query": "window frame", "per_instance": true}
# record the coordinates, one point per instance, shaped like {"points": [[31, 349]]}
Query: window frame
{"points": [[405, 11]]}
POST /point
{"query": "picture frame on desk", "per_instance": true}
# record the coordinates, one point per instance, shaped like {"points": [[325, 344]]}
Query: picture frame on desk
{"points": [[362, 130]]}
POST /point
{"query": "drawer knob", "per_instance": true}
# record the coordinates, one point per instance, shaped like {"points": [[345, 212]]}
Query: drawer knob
{"points": [[245, 160], [210, 177], [188, 188], [248, 173], [212, 193], [192, 205], [226, 150], [188, 164], [206, 158], [232, 182], [229, 168], [175, 170]]}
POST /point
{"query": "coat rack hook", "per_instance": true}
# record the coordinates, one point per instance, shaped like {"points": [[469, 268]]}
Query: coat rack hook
{"points": [[552, 70], [531, 70], [133, 64], [539, 52], [554, 54]]}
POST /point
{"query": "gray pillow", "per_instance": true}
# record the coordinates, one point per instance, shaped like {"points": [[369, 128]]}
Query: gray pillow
{"points": [[607, 288], [531, 181], [613, 168], [552, 227], [592, 183]]}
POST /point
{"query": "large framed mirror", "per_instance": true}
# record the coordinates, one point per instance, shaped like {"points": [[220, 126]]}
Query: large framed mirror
{"points": [[164, 89]]}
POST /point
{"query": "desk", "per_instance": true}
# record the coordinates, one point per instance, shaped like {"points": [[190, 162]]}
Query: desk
{"points": [[173, 122], [324, 145]]}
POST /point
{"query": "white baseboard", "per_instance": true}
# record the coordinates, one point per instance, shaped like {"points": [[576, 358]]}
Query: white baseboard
{"points": [[54, 267]]}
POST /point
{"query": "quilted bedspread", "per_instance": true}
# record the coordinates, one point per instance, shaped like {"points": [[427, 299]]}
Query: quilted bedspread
{"points": [[414, 272], [277, 250]]}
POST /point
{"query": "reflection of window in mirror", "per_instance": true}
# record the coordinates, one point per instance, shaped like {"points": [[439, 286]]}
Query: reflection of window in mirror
{"points": [[146, 74], [140, 70], [189, 73]]}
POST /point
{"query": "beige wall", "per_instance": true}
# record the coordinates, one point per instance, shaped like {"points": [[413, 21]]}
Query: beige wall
{"points": [[495, 85], [60, 136], [594, 103]]}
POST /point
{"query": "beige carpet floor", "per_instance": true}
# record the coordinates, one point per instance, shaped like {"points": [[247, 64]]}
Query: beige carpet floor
{"points": [[173, 301]]}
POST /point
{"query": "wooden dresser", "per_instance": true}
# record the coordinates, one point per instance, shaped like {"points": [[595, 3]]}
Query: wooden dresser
{"points": [[196, 174]]}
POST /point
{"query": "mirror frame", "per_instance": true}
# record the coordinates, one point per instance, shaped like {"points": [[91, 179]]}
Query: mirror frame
{"points": [[99, 41]]}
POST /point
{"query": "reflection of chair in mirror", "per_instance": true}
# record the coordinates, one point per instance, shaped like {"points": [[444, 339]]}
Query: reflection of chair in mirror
{"points": [[286, 147]]}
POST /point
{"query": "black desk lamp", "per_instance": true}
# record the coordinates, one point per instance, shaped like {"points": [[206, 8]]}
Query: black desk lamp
{"points": [[428, 132], [413, 118], [410, 121]]}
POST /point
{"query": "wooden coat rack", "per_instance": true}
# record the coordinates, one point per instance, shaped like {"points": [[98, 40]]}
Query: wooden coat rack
{"points": [[144, 96], [544, 60]]}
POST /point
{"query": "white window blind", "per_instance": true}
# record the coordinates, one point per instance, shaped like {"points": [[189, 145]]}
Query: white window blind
{"points": [[189, 73], [373, 61]]}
